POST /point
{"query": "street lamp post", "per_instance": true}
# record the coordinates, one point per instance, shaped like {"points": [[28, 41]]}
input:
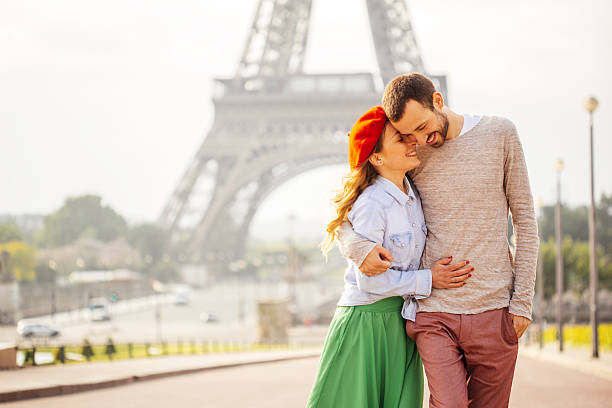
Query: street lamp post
{"points": [[291, 262], [590, 105], [292, 271], [559, 268], [158, 288]]}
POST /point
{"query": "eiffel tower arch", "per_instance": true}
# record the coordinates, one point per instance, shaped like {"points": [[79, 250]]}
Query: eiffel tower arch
{"points": [[273, 122]]}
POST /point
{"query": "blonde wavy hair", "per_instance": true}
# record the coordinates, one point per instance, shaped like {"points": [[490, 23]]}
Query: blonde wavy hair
{"points": [[353, 185]]}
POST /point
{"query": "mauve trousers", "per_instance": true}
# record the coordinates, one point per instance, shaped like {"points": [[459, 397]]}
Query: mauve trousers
{"points": [[469, 359]]}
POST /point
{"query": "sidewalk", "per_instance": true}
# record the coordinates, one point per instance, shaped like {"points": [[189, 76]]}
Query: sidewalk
{"points": [[575, 358], [35, 382], [46, 381]]}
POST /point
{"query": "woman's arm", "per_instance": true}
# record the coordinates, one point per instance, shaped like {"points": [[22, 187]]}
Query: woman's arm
{"points": [[369, 223], [397, 283]]}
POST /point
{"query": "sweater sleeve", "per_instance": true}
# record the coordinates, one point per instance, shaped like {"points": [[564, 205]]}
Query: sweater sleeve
{"points": [[353, 246], [520, 202]]}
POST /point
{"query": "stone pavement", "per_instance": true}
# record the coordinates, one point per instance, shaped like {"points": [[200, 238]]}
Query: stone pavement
{"points": [[576, 358], [34, 382], [536, 375], [46, 381], [537, 384]]}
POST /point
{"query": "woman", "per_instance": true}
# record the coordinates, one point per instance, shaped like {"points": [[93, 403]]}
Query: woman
{"points": [[367, 359]]}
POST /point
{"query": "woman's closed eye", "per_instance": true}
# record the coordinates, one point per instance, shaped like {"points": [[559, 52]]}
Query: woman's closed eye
{"points": [[403, 138]]}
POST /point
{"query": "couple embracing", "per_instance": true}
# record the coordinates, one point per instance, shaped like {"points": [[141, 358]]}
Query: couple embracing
{"points": [[422, 219]]}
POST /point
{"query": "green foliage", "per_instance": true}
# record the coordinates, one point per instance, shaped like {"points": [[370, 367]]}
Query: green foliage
{"points": [[79, 217], [165, 271], [44, 273], [575, 264], [9, 232], [150, 241], [603, 220], [575, 222], [575, 228], [21, 261]]}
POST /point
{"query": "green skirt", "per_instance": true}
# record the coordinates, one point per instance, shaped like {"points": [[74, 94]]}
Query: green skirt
{"points": [[368, 361]]}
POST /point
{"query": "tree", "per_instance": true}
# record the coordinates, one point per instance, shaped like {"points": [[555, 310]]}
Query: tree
{"points": [[21, 261], [603, 220], [575, 222], [9, 232], [150, 240], [166, 271], [575, 265], [44, 273], [575, 226], [80, 217]]}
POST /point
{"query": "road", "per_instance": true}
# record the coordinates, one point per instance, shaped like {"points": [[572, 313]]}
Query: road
{"points": [[537, 384], [235, 305]]}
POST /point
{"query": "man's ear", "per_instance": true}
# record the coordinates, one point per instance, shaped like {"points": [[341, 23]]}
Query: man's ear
{"points": [[438, 100], [375, 160]]}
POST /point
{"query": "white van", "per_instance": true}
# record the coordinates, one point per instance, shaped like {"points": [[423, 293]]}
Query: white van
{"points": [[182, 294]]}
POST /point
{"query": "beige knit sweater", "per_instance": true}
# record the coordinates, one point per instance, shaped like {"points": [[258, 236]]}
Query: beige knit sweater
{"points": [[467, 187]]}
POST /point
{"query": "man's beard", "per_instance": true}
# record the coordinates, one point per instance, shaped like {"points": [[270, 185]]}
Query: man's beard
{"points": [[443, 118]]}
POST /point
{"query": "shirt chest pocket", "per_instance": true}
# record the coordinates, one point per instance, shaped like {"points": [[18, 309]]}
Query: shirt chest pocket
{"points": [[402, 239], [402, 246]]}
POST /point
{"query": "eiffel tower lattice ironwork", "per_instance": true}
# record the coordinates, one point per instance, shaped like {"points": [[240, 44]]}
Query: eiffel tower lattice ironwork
{"points": [[273, 121]]}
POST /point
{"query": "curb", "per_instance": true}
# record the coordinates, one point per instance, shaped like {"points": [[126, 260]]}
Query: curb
{"points": [[66, 389]]}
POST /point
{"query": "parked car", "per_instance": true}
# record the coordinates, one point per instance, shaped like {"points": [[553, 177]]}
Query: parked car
{"points": [[35, 329], [208, 317]]}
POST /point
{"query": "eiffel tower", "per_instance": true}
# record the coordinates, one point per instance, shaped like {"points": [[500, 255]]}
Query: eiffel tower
{"points": [[273, 122]]}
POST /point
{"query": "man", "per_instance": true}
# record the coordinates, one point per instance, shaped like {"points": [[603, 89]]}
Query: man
{"points": [[472, 172]]}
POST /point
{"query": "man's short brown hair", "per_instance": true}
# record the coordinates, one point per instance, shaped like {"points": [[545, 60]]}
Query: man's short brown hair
{"points": [[406, 87]]}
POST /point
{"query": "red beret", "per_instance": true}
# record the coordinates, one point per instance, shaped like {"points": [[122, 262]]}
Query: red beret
{"points": [[364, 135]]}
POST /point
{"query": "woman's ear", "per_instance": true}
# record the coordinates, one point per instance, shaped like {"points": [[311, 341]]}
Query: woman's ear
{"points": [[376, 160]]}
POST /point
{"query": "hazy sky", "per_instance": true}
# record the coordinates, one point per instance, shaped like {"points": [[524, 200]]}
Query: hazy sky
{"points": [[113, 97]]}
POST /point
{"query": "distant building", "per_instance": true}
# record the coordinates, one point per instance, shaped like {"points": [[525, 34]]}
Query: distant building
{"points": [[195, 274], [92, 254], [103, 276]]}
